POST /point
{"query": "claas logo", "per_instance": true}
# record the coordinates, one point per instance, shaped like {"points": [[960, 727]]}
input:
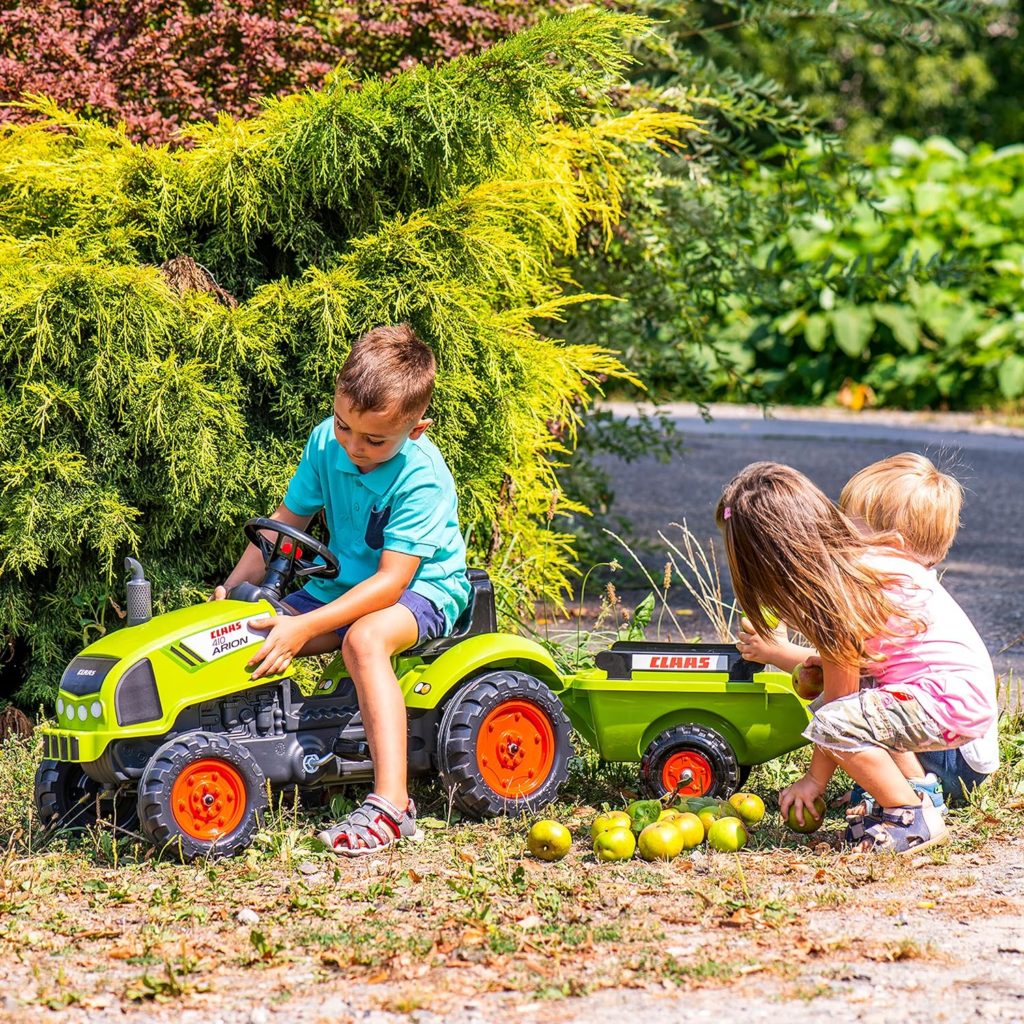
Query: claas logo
{"points": [[681, 662]]}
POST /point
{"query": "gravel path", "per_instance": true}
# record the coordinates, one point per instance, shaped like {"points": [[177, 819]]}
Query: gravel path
{"points": [[985, 569]]}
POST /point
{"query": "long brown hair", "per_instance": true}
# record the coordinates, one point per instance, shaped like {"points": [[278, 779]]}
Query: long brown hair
{"points": [[792, 552]]}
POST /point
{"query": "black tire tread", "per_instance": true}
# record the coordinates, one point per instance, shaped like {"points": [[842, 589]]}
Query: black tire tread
{"points": [[701, 739], [456, 749], [156, 817], [51, 798]]}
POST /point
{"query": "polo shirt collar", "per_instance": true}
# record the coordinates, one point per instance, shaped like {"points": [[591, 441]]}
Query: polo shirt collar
{"points": [[380, 479]]}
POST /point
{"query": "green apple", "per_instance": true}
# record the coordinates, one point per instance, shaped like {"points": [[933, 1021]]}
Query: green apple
{"points": [[615, 844], [728, 835], [548, 840], [812, 821], [609, 819], [661, 841], [749, 805], [691, 828]]}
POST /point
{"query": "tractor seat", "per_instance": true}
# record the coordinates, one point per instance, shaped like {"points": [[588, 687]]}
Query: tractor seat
{"points": [[479, 617]]}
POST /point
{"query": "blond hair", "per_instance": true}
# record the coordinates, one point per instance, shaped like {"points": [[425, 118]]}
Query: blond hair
{"points": [[791, 552], [389, 369], [906, 494]]}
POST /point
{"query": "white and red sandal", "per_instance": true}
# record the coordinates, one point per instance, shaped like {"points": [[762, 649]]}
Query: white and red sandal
{"points": [[375, 825]]}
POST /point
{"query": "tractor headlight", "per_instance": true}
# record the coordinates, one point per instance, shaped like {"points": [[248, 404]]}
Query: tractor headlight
{"points": [[96, 709], [83, 712], [60, 706], [70, 713]]}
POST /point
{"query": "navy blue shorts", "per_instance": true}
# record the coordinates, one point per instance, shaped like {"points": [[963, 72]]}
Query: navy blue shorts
{"points": [[958, 778], [429, 619]]}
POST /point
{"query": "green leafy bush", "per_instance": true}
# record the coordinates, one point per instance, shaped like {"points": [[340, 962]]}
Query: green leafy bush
{"points": [[137, 419], [915, 294]]}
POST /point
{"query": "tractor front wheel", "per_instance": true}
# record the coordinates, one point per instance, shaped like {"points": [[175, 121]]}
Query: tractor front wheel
{"points": [[65, 796], [202, 795], [503, 745], [702, 752]]}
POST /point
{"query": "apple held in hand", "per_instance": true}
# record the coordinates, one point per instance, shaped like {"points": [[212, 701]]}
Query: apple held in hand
{"points": [[548, 840], [808, 681], [812, 819]]}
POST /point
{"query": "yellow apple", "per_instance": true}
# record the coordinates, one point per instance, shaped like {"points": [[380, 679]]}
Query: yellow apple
{"points": [[548, 840]]}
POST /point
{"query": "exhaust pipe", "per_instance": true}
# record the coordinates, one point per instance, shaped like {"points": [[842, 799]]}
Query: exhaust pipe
{"points": [[140, 594]]}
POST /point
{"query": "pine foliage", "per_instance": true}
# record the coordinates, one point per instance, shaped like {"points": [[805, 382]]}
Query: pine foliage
{"points": [[137, 419]]}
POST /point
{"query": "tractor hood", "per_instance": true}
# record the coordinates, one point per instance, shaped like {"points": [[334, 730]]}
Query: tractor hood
{"points": [[135, 681]]}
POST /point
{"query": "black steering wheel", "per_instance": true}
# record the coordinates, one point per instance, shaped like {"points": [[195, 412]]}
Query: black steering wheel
{"points": [[288, 557]]}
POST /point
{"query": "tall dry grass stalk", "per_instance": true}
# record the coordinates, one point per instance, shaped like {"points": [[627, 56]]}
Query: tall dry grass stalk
{"points": [[691, 563]]}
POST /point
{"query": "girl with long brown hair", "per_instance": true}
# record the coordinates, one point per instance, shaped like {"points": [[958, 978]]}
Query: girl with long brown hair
{"points": [[865, 606]]}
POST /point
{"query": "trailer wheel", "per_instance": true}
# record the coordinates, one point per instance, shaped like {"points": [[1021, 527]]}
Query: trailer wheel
{"points": [[703, 752], [202, 795], [503, 745]]}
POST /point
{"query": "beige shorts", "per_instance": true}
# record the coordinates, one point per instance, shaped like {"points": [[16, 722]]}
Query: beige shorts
{"points": [[882, 717]]}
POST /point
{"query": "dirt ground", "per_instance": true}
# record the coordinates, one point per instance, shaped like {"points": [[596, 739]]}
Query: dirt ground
{"points": [[464, 928]]}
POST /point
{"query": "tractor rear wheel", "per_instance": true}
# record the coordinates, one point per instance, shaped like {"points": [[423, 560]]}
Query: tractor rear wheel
{"points": [[503, 745], [202, 795], [702, 752]]}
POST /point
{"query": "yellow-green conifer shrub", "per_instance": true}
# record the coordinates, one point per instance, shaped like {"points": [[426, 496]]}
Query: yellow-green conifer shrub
{"points": [[134, 419]]}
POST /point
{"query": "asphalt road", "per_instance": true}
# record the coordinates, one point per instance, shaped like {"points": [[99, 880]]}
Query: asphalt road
{"points": [[985, 568]]}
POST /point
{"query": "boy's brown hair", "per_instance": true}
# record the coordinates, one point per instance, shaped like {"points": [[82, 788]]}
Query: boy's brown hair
{"points": [[906, 494], [389, 368]]}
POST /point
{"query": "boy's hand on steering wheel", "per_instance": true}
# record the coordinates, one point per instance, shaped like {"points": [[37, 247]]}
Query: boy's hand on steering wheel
{"points": [[288, 635]]}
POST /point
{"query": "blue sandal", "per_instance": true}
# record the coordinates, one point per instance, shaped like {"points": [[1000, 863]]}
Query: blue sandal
{"points": [[902, 830], [375, 825]]}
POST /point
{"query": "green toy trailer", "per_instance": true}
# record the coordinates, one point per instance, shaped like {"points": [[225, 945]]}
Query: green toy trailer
{"points": [[161, 726]]}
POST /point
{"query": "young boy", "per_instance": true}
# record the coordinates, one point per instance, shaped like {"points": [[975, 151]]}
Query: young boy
{"points": [[391, 511], [905, 497]]}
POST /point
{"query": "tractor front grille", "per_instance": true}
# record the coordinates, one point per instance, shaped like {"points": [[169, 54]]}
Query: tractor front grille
{"points": [[60, 747]]}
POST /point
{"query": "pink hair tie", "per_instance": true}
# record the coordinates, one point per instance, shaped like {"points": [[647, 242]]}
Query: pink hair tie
{"points": [[727, 512]]}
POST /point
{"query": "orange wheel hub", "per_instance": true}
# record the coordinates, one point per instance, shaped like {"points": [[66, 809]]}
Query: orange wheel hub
{"points": [[208, 799], [515, 749], [687, 760]]}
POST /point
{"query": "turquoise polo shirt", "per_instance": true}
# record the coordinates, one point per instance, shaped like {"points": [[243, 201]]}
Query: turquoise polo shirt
{"points": [[407, 504]]}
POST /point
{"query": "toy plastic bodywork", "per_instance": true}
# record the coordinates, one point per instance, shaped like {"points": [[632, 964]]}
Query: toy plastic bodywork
{"points": [[162, 723]]}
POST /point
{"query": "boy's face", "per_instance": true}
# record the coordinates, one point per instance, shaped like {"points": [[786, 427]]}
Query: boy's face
{"points": [[373, 436]]}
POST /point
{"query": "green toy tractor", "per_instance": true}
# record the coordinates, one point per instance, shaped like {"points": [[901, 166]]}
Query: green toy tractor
{"points": [[162, 728]]}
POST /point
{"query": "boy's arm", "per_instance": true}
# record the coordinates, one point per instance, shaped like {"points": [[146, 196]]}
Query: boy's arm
{"points": [[289, 634], [250, 566]]}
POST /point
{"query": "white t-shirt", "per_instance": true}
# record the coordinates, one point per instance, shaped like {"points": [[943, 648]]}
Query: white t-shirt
{"points": [[982, 754]]}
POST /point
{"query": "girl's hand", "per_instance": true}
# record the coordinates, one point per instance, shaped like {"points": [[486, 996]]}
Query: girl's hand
{"points": [[288, 635], [755, 648], [801, 795]]}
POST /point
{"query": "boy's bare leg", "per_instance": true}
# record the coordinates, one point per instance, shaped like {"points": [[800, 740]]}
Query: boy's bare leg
{"points": [[367, 649]]}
